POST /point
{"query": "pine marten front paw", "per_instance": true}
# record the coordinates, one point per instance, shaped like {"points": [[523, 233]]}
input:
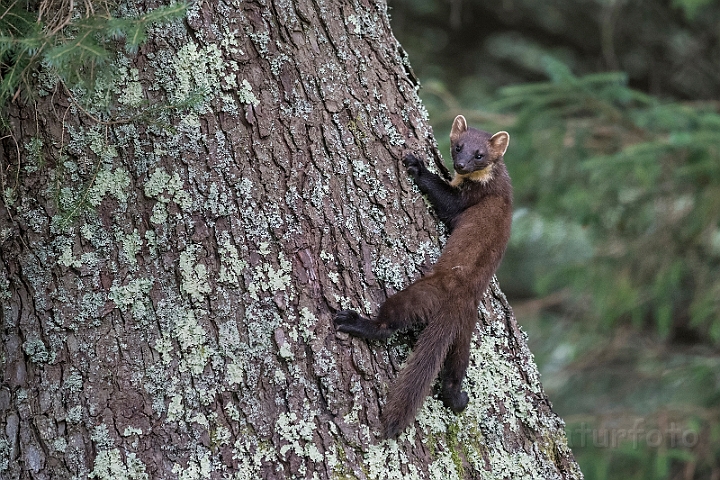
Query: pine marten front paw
{"points": [[413, 164], [345, 320]]}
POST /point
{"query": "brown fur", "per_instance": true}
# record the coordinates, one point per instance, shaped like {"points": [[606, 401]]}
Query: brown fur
{"points": [[477, 206]]}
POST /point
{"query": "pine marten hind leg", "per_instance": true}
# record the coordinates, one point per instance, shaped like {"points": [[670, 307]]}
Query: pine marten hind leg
{"points": [[454, 370], [398, 312]]}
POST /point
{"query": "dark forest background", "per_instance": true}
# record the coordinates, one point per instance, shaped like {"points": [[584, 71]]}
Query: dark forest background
{"points": [[613, 111]]}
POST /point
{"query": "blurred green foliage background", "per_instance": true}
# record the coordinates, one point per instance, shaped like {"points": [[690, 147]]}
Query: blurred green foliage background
{"points": [[613, 267]]}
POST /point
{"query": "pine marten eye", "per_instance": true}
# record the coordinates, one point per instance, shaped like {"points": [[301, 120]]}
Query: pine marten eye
{"points": [[479, 156], [458, 148]]}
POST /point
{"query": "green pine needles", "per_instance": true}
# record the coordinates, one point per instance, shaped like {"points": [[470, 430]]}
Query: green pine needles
{"points": [[642, 177], [75, 42]]}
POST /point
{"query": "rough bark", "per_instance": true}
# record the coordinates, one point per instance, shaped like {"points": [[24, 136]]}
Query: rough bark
{"points": [[168, 274]]}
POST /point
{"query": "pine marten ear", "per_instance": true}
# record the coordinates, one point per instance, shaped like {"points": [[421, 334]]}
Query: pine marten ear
{"points": [[459, 127], [499, 143]]}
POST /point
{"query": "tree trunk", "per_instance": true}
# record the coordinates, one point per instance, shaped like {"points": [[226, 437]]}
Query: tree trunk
{"points": [[171, 259]]}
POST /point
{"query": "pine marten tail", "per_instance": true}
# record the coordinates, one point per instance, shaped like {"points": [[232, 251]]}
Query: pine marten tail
{"points": [[414, 381]]}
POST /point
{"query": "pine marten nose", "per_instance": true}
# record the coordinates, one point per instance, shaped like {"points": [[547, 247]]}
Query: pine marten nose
{"points": [[460, 166]]}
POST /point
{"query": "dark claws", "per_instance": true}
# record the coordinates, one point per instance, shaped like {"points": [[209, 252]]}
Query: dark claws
{"points": [[344, 319], [413, 164]]}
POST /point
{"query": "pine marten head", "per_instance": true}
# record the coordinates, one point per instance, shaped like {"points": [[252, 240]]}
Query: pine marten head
{"points": [[475, 152]]}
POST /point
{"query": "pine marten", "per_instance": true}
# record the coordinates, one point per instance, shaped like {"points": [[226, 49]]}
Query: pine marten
{"points": [[476, 206]]}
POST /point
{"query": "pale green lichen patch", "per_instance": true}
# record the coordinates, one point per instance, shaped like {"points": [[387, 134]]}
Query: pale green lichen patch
{"points": [[201, 419], [74, 415], [251, 456], [34, 155], [89, 259], [5, 454], [193, 70], [278, 280], [261, 41], [355, 392], [390, 272], [87, 231], [132, 94], [5, 232], [231, 265], [308, 321], [131, 245], [199, 469], [193, 343], [109, 465], [234, 373], [129, 431], [152, 242], [221, 436], [37, 351], [298, 433], [443, 467], [228, 337], [101, 437], [285, 352], [74, 381], [9, 196], [194, 275], [229, 42], [267, 279], [354, 22], [59, 445], [366, 172], [166, 188], [434, 418], [159, 214], [113, 182], [175, 410], [67, 259], [246, 95], [132, 296], [164, 347], [158, 181], [384, 461], [96, 140]]}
